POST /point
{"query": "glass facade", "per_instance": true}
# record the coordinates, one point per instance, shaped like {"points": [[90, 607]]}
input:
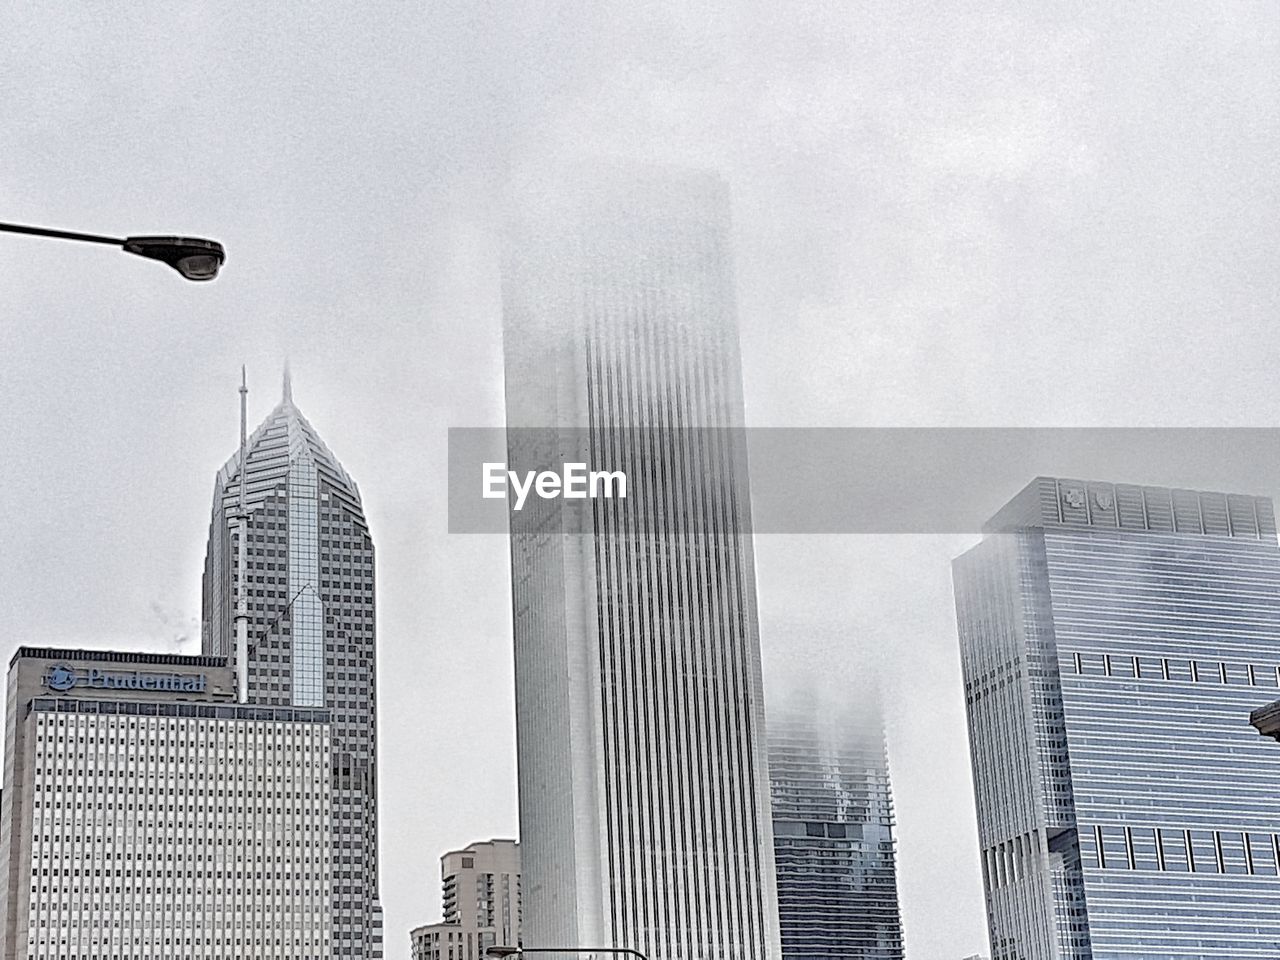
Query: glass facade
{"points": [[304, 575], [1114, 641]]}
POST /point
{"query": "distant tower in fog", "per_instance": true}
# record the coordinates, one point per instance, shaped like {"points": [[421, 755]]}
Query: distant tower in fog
{"points": [[833, 831], [311, 630], [644, 806]]}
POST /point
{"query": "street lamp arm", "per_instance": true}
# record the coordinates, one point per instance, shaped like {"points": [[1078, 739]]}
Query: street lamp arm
{"points": [[59, 234], [194, 257]]}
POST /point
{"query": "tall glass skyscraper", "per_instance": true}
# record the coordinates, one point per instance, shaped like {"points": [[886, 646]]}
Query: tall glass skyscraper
{"points": [[644, 805], [311, 630], [1114, 639], [833, 831]]}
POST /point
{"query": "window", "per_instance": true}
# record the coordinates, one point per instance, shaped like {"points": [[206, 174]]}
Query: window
{"points": [[1150, 668]]}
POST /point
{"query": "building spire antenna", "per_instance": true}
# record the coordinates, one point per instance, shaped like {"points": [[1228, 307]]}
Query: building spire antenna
{"points": [[242, 534], [288, 384]]}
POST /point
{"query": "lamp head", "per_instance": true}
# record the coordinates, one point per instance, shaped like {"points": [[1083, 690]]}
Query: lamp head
{"points": [[193, 257]]}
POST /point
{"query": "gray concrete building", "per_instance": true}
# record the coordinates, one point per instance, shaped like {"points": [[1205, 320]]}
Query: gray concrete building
{"points": [[146, 815], [643, 779], [481, 903], [312, 636]]}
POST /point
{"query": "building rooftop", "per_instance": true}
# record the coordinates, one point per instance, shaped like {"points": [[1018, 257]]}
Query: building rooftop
{"points": [[1062, 503], [115, 656]]}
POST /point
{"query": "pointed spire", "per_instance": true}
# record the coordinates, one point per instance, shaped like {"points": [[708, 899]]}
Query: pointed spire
{"points": [[288, 384]]}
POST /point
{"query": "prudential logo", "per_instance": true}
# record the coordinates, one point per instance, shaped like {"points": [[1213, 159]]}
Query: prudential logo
{"points": [[61, 679]]}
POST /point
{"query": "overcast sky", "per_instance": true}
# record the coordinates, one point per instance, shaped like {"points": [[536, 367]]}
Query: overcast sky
{"points": [[966, 214]]}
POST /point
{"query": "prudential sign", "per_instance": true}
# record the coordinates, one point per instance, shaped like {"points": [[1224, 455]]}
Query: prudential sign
{"points": [[61, 679]]}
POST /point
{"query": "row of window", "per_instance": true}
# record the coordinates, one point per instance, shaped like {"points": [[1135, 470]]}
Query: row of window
{"points": [[1173, 668], [176, 709], [1180, 851], [1170, 850]]}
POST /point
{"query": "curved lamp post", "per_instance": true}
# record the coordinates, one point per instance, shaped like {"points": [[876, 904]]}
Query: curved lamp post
{"points": [[193, 257], [498, 951]]}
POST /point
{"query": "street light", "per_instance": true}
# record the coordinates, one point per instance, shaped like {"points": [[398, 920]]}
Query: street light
{"points": [[193, 257], [498, 951]]}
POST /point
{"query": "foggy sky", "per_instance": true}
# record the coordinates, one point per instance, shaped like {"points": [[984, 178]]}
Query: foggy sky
{"points": [[996, 214]]}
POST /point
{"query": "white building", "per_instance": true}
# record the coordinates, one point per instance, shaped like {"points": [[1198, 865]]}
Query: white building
{"points": [[644, 792], [481, 896], [147, 816]]}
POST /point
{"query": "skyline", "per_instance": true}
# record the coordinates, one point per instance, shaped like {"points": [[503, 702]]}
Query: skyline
{"points": [[779, 677], [1007, 216]]}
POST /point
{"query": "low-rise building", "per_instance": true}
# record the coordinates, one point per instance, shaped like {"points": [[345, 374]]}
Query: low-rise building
{"points": [[481, 903]]}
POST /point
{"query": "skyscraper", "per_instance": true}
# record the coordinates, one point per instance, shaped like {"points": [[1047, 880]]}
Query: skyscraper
{"points": [[1114, 639], [833, 831], [312, 631], [481, 896], [644, 807]]}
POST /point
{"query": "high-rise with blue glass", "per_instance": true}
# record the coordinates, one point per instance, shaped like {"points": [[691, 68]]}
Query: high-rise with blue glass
{"points": [[309, 566], [1114, 639]]}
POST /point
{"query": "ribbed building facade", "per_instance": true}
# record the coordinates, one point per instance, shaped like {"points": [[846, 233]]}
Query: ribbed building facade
{"points": [[833, 832], [644, 806], [312, 631], [1114, 639]]}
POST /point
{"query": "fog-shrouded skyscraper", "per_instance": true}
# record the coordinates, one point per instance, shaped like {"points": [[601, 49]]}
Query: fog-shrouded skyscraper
{"points": [[644, 805], [833, 829], [310, 579], [1114, 639]]}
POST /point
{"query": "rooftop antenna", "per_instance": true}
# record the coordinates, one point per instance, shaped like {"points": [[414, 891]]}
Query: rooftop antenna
{"points": [[242, 531]]}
